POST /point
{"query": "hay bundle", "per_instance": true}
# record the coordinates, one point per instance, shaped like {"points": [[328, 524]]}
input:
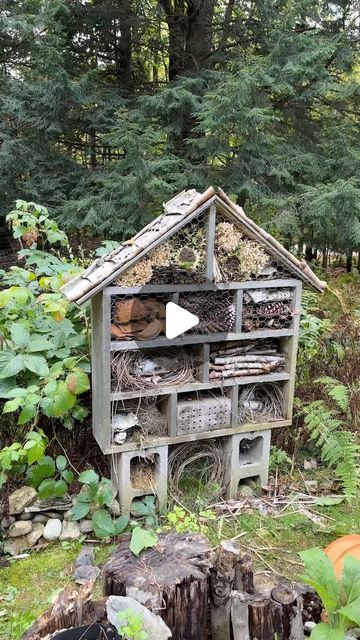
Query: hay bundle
{"points": [[203, 459], [261, 402], [137, 370], [142, 473]]}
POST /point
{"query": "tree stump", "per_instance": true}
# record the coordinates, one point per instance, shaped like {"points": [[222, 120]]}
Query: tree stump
{"points": [[171, 579], [271, 608], [71, 608]]}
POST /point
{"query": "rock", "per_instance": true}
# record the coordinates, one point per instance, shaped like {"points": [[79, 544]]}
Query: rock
{"points": [[308, 627], [70, 531], [311, 485], [68, 514], [21, 499], [25, 516], [86, 526], [41, 518], [35, 534], [20, 528], [85, 568], [352, 633], [54, 514], [310, 464], [153, 625], [6, 522], [114, 508], [52, 529], [14, 546], [245, 491], [51, 504]]}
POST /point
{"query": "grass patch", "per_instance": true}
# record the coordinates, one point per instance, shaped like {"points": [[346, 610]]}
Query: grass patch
{"points": [[34, 580]]}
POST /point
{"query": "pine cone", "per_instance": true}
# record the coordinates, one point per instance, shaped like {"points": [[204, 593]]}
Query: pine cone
{"points": [[274, 309]]}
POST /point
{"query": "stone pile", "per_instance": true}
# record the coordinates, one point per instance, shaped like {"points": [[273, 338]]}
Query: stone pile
{"points": [[32, 521]]}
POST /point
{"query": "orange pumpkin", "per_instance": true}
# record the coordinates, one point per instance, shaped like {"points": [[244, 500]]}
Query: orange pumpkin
{"points": [[345, 546]]}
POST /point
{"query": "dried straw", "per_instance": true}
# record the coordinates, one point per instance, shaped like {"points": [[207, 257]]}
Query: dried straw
{"points": [[127, 374], [142, 474], [270, 396], [185, 456], [152, 421]]}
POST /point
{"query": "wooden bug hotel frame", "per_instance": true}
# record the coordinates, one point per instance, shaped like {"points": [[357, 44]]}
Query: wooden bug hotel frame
{"points": [[230, 378]]}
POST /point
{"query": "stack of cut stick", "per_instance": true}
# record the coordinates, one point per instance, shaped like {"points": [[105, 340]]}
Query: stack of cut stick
{"points": [[245, 360]]}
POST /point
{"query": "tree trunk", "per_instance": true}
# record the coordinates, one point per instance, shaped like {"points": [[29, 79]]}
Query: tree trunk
{"points": [[198, 44], [324, 258], [349, 257], [171, 579]]}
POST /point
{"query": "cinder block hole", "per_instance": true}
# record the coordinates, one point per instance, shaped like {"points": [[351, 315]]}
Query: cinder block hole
{"points": [[144, 506], [143, 472], [249, 486], [251, 450]]}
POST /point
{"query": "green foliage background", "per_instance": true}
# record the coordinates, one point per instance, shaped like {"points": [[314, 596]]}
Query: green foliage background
{"points": [[108, 107]]}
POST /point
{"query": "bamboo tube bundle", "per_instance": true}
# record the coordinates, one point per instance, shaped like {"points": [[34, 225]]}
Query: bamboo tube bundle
{"points": [[236, 362]]}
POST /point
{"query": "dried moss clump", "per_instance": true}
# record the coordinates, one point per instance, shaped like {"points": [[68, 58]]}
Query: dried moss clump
{"points": [[238, 257], [140, 274]]}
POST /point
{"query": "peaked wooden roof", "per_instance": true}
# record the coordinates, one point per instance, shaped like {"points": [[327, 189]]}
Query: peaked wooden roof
{"points": [[178, 211]]}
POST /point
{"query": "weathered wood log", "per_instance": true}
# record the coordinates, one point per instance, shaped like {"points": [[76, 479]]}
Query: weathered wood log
{"points": [[287, 618], [236, 373], [222, 581], [260, 618], [171, 579], [240, 615], [249, 358], [71, 608], [244, 574]]}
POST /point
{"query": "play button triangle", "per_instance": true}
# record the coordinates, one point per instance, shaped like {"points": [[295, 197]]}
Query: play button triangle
{"points": [[178, 320]]}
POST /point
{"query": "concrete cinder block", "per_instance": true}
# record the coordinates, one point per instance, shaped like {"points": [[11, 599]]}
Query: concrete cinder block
{"points": [[247, 456], [121, 476]]}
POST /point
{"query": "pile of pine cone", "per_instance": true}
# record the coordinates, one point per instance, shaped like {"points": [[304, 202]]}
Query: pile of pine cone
{"points": [[215, 311], [138, 319], [276, 315]]}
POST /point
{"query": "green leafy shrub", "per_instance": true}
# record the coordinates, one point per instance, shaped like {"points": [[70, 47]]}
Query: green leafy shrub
{"points": [[50, 477], [279, 459], [338, 446], [95, 495], [341, 600], [183, 521], [44, 361], [17, 457]]}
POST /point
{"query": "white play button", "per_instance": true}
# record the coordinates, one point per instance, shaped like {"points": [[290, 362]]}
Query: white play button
{"points": [[178, 320]]}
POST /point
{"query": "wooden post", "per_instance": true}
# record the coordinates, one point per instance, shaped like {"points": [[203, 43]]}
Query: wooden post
{"points": [[244, 574], [221, 581]]}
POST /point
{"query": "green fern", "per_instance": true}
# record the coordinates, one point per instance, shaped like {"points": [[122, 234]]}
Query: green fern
{"points": [[338, 448], [337, 391]]}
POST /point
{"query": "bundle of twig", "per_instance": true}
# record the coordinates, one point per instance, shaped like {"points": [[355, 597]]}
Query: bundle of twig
{"points": [[261, 402], [245, 361], [139, 370], [185, 457]]}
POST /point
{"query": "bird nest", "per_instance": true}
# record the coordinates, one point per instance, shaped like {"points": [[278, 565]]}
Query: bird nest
{"points": [[261, 402], [199, 461], [138, 370]]}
